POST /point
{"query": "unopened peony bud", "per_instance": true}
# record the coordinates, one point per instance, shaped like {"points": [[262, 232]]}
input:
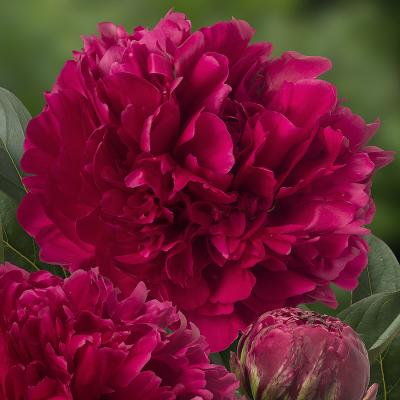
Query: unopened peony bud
{"points": [[293, 354]]}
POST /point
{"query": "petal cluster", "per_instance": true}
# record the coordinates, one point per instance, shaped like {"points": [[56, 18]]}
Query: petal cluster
{"points": [[294, 354], [80, 339], [229, 182]]}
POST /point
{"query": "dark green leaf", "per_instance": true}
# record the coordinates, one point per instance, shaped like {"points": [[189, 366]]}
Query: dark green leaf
{"points": [[376, 319], [13, 120], [223, 357], [226, 354], [16, 246], [382, 274], [386, 372], [19, 247], [216, 358]]}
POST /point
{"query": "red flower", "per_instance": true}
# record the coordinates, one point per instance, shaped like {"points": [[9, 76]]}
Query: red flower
{"points": [[75, 339], [229, 182]]}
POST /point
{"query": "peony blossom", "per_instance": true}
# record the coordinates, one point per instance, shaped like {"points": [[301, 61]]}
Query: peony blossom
{"points": [[293, 354], [230, 182], [78, 339]]}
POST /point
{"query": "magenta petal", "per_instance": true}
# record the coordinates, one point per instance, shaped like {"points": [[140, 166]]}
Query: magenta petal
{"points": [[161, 131], [352, 126], [210, 142], [55, 246], [83, 291], [219, 330], [293, 66], [70, 77], [210, 70], [146, 386], [379, 157], [305, 101], [112, 56], [188, 52], [123, 88], [229, 38], [49, 389], [258, 180], [37, 161], [282, 284], [39, 134], [136, 360], [173, 29], [129, 307], [281, 136], [207, 79], [32, 216], [236, 284], [179, 267], [190, 298]]}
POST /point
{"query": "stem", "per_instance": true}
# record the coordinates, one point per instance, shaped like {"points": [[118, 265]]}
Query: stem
{"points": [[383, 378]]}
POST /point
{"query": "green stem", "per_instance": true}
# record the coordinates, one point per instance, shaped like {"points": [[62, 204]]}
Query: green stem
{"points": [[383, 378]]}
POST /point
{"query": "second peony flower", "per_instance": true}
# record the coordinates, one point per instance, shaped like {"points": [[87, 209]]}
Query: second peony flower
{"points": [[230, 182], [79, 339]]}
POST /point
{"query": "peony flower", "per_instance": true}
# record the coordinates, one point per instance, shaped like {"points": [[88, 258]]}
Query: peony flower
{"points": [[294, 354], [78, 339], [229, 182]]}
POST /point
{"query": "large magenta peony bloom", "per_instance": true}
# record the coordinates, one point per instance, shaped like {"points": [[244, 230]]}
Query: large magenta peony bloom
{"points": [[76, 339], [228, 182]]}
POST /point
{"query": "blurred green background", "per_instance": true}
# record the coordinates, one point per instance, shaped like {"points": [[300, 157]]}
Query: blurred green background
{"points": [[362, 38]]}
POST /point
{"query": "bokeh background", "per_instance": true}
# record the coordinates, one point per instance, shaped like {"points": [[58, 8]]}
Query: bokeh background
{"points": [[362, 38]]}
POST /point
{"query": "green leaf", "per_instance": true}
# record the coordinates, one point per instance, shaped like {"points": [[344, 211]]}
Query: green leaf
{"points": [[19, 248], [386, 372], [226, 354], [376, 319], [382, 274], [223, 357], [16, 246], [375, 315], [216, 358], [13, 120]]}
